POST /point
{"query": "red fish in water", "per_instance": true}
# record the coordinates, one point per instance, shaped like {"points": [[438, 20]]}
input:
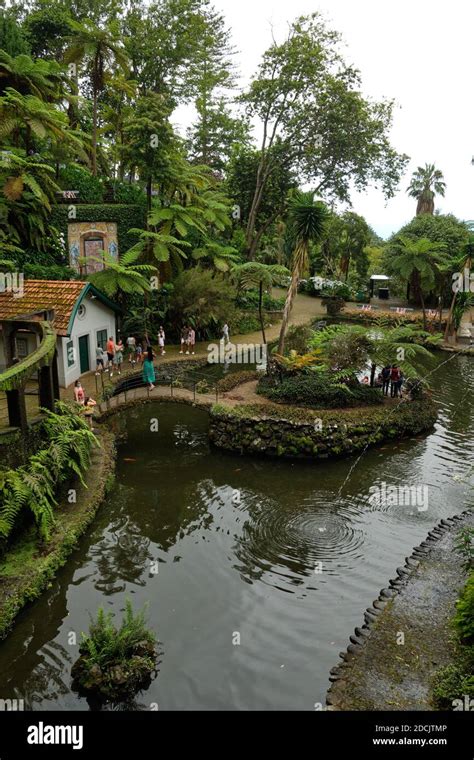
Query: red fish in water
{"points": [[129, 459]]}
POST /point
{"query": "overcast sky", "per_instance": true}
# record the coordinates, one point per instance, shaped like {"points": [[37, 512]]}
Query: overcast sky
{"points": [[418, 52]]}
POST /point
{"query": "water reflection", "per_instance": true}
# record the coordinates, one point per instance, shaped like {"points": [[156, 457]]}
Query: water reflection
{"points": [[274, 550]]}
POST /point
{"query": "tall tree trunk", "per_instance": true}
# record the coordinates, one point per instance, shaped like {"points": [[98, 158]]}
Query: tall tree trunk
{"points": [[423, 307], [94, 133], [148, 194], [260, 313], [287, 310]]}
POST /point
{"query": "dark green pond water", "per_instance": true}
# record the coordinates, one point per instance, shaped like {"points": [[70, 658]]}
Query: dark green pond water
{"points": [[238, 541]]}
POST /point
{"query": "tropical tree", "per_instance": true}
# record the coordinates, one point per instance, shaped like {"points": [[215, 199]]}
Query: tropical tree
{"points": [[24, 118], [101, 49], [28, 77], [118, 277], [426, 182], [352, 348], [306, 96], [306, 224], [252, 275], [459, 303], [417, 262]]}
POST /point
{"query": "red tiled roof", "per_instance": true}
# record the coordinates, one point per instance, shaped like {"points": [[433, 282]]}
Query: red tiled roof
{"points": [[59, 296]]}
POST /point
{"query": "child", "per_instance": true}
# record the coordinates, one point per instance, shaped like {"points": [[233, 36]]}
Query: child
{"points": [[79, 392], [191, 340], [131, 344], [89, 405], [161, 341], [119, 356], [139, 353]]}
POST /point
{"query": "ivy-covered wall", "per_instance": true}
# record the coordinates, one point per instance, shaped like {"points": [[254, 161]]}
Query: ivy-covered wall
{"points": [[282, 431], [125, 217]]}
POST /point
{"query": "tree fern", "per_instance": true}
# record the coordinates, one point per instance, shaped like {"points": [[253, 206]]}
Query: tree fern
{"points": [[33, 487]]}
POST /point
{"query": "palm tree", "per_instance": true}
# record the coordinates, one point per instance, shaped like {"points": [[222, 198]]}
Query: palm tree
{"points": [[417, 262], [306, 224], [253, 274], [100, 48], [426, 182]]}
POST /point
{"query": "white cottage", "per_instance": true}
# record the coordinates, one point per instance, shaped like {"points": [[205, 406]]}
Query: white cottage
{"points": [[82, 317]]}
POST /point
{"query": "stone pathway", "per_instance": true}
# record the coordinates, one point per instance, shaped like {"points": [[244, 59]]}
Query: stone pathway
{"points": [[406, 638]]}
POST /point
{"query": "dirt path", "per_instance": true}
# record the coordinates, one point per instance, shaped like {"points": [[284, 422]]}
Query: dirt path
{"points": [[305, 309]]}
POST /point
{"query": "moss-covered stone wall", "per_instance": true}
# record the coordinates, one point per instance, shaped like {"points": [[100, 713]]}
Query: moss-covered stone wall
{"points": [[282, 431]]}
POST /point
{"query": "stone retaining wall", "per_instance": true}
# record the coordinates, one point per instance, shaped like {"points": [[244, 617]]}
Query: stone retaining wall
{"points": [[334, 434]]}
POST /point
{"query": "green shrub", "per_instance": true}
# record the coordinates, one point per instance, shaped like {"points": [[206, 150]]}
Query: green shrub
{"points": [[54, 272], [115, 662], [123, 192], [245, 323], [248, 300], [233, 379], [202, 299], [317, 390], [297, 339], [455, 681], [91, 189], [464, 617]]}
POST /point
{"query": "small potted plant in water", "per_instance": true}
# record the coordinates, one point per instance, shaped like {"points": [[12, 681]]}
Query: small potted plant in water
{"points": [[115, 662]]}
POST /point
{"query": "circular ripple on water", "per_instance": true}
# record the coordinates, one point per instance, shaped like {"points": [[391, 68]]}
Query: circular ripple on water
{"points": [[293, 543]]}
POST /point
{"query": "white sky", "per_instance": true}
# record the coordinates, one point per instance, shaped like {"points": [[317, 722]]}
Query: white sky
{"points": [[418, 52]]}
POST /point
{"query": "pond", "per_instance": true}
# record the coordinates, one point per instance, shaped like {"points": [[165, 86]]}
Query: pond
{"points": [[264, 567]]}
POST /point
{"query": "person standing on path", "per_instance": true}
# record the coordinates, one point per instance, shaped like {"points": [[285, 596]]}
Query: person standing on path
{"points": [[394, 377], [131, 345], [184, 339], [225, 334], [386, 371], [148, 369], [99, 360], [110, 354], [161, 340], [119, 356], [191, 340]]}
